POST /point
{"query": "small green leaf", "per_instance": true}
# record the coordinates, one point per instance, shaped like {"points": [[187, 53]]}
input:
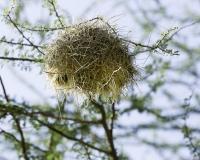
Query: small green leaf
{"points": [[6, 53]]}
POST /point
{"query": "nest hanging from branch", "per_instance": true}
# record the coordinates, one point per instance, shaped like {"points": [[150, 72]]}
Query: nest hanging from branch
{"points": [[90, 58]]}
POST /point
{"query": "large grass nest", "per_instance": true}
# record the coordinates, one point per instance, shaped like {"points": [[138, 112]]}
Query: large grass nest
{"points": [[92, 59]]}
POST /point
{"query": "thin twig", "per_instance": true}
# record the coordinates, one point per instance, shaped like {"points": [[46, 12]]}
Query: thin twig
{"points": [[15, 25], [146, 46], [186, 129], [18, 124], [112, 118], [157, 46], [14, 138], [4, 90], [72, 138], [20, 59], [52, 3], [23, 144], [17, 110], [16, 43], [43, 29], [180, 30], [54, 29]]}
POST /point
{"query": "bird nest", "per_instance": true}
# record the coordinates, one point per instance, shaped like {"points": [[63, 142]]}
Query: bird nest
{"points": [[90, 58]]}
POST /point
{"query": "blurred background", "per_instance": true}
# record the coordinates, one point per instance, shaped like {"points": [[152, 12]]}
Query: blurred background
{"points": [[158, 120]]}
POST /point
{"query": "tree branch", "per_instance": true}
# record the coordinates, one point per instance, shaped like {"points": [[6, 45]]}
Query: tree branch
{"points": [[4, 90], [112, 118], [16, 43], [15, 25], [186, 130], [189, 25], [20, 112], [108, 132], [20, 59], [52, 3], [53, 29], [72, 138], [14, 138], [22, 138], [18, 125]]}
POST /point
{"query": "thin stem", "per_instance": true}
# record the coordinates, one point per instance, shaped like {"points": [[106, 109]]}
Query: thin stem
{"points": [[54, 29], [18, 124], [52, 3], [180, 30], [20, 112], [18, 141], [20, 59], [22, 138], [112, 119], [150, 47], [16, 43], [15, 25], [72, 138], [4, 90]]}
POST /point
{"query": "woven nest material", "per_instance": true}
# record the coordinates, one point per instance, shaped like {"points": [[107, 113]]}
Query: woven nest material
{"points": [[90, 58]]}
